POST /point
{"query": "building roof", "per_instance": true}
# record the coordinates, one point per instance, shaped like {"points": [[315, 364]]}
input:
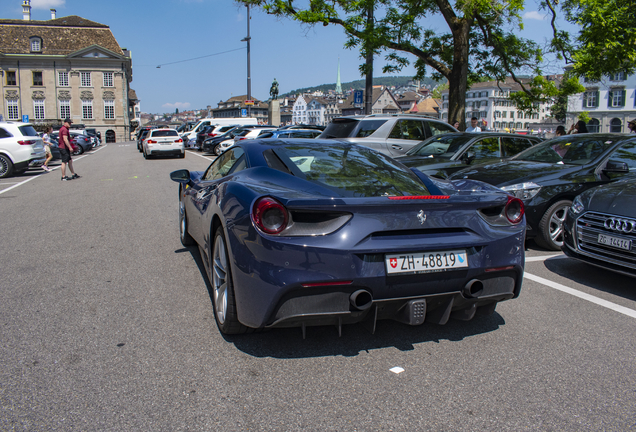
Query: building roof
{"points": [[427, 106], [61, 36]]}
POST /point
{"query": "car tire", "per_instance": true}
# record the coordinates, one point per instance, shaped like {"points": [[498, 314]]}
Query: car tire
{"points": [[551, 226], [6, 166], [182, 155], [139, 148], [184, 235], [223, 288], [146, 156], [215, 150]]}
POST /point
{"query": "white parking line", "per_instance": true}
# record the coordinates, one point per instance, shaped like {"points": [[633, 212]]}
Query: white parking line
{"points": [[582, 295], [44, 172], [204, 157], [544, 257]]}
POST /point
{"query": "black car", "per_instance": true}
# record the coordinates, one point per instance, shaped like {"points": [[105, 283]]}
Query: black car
{"points": [[600, 227], [141, 136], [442, 155], [211, 145], [549, 175]]}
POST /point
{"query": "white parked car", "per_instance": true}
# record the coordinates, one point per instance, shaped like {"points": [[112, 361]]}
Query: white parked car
{"points": [[253, 133], [20, 148], [163, 142]]}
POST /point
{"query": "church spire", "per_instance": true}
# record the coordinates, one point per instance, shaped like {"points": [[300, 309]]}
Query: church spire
{"points": [[338, 85]]}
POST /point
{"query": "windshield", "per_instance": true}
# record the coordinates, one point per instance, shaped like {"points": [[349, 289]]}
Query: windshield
{"points": [[575, 150], [352, 171], [164, 133], [442, 146]]}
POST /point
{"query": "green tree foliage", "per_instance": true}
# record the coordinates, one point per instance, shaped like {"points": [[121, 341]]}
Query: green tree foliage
{"points": [[479, 40], [606, 43]]}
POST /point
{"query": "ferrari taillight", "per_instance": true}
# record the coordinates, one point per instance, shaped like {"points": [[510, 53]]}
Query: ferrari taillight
{"points": [[269, 215], [514, 210]]}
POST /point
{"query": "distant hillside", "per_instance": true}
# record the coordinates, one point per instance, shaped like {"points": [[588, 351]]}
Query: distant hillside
{"points": [[359, 84]]}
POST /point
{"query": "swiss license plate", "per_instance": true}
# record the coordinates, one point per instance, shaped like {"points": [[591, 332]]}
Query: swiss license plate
{"points": [[615, 242], [422, 262]]}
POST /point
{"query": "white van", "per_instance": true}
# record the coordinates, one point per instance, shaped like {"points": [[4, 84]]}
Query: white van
{"points": [[242, 121]]}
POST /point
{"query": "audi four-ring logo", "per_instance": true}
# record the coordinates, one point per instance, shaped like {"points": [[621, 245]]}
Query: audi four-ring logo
{"points": [[623, 225]]}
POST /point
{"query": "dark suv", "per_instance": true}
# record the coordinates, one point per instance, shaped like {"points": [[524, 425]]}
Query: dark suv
{"points": [[391, 134]]}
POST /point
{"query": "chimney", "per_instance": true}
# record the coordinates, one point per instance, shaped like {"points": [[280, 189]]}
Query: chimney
{"points": [[53, 11], [26, 10]]}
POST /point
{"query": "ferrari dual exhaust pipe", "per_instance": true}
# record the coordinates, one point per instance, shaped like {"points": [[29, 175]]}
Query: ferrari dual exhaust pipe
{"points": [[361, 300], [473, 288]]}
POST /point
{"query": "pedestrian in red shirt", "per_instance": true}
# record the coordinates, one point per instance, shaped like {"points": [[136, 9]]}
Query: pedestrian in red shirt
{"points": [[66, 150]]}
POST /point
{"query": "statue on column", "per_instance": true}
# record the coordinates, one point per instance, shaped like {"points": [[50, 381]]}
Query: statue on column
{"points": [[273, 91]]}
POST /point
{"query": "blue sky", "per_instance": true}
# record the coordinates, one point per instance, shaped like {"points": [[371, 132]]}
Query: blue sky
{"points": [[171, 31]]}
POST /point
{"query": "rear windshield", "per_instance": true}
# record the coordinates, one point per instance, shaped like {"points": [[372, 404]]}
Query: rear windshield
{"points": [[28, 130], [352, 171], [164, 133], [443, 146]]}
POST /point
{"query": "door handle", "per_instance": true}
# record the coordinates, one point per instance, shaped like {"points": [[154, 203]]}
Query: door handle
{"points": [[396, 147]]}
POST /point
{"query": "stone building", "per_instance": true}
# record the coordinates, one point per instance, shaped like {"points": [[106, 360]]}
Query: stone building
{"points": [[236, 107], [610, 103], [490, 103], [65, 67]]}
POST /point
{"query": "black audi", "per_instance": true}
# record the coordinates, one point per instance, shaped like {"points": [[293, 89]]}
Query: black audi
{"points": [[442, 155], [548, 176], [600, 227]]}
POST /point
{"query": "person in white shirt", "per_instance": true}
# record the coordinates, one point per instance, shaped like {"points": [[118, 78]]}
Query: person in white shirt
{"points": [[473, 126]]}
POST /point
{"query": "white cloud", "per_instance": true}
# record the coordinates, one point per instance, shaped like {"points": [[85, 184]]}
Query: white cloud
{"points": [[47, 4], [180, 105], [534, 15]]}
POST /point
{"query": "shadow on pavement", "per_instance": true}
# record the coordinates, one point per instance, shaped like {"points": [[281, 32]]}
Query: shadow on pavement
{"points": [[324, 341], [593, 277]]}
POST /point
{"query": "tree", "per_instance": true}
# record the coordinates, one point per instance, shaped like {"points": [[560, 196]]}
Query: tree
{"points": [[479, 40], [606, 43]]}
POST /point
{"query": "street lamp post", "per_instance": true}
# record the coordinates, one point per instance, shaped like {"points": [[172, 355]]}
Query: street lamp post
{"points": [[249, 78]]}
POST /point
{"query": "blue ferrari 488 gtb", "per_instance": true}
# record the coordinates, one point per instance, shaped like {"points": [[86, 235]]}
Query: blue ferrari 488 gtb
{"points": [[319, 232]]}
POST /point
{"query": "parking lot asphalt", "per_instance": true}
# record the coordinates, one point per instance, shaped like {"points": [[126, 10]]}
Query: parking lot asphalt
{"points": [[107, 324]]}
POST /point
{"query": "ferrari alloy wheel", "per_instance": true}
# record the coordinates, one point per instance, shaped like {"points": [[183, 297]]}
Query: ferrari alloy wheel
{"points": [[6, 166], [223, 288], [185, 237], [551, 225]]}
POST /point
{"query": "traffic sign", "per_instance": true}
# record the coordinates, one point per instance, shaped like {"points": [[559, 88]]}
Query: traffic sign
{"points": [[249, 102], [25, 118], [243, 112], [357, 97]]}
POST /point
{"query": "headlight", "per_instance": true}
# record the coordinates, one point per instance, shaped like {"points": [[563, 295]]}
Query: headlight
{"points": [[523, 191], [577, 205]]}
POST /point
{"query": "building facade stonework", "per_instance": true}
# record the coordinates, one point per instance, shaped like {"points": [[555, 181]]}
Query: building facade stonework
{"points": [[65, 67]]}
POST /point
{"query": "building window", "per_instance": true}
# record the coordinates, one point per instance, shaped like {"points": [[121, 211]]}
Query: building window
{"points": [[109, 109], [36, 44], [108, 79], [62, 79], [616, 125], [12, 109], [37, 79], [593, 126], [504, 114], [65, 109], [85, 79], [590, 99], [11, 78], [38, 109], [87, 109], [616, 98], [620, 76]]}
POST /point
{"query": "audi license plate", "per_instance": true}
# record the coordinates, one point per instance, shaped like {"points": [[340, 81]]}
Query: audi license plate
{"points": [[615, 242], [424, 262]]}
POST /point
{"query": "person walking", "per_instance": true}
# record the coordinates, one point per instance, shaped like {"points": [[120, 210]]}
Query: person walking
{"points": [[47, 148], [473, 126], [65, 150]]}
